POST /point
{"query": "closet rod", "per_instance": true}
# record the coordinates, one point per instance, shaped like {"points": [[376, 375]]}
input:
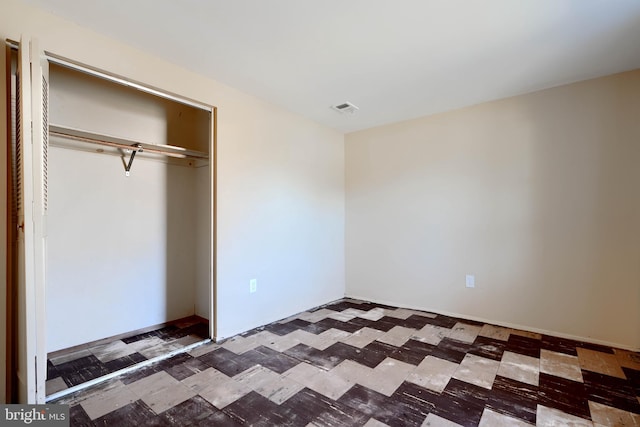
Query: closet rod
{"points": [[134, 147]]}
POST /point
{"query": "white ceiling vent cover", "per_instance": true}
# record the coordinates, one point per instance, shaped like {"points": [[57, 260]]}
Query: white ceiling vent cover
{"points": [[345, 108]]}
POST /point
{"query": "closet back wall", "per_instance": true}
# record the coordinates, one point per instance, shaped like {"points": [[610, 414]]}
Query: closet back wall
{"points": [[122, 250]]}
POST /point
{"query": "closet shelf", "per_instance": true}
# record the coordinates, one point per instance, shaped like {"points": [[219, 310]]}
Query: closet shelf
{"points": [[125, 144]]}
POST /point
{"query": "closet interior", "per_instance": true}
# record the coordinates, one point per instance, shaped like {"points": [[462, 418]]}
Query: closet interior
{"points": [[129, 218]]}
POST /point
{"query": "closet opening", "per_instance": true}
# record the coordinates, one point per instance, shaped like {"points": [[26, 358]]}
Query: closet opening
{"points": [[129, 214]]}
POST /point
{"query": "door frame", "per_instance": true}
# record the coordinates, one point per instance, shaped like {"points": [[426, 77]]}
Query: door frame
{"points": [[36, 281]]}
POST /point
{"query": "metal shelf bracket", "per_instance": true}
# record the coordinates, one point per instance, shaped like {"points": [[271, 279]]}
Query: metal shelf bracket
{"points": [[134, 149]]}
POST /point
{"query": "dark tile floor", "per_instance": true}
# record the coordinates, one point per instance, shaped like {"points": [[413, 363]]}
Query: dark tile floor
{"points": [[69, 368], [354, 363]]}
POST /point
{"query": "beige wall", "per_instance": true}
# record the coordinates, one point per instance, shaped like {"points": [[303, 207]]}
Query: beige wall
{"points": [[538, 196], [280, 179]]}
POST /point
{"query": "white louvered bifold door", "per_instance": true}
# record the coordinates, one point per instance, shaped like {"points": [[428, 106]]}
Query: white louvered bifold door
{"points": [[30, 181], [26, 336], [40, 140]]}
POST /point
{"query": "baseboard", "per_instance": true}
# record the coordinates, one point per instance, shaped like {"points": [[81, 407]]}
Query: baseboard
{"points": [[497, 323]]}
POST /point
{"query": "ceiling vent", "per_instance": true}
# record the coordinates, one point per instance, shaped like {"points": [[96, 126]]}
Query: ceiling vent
{"points": [[345, 108]]}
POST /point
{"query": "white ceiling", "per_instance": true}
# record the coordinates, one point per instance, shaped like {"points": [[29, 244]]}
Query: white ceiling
{"points": [[395, 60]]}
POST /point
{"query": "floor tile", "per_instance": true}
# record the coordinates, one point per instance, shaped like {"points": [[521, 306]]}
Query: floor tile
{"points": [[496, 419], [608, 416], [413, 352], [373, 404], [226, 361], [375, 423], [561, 365], [239, 344], [433, 420], [204, 349], [320, 410], [186, 369], [253, 409], [279, 390], [81, 370], [302, 372], [342, 316], [514, 398], [256, 377], [78, 417], [133, 414], [451, 350], [597, 361], [96, 360], [389, 374], [108, 401], [87, 393], [68, 357], [563, 394], [464, 332], [363, 337], [124, 362], [358, 363], [315, 316], [224, 392], [405, 313], [326, 383], [628, 359], [490, 348], [202, 380], [313, 356], [112, 350], [549, 417], [633, 379], [611, 391], [477, 370], [397, 336], [526, 334], [417, 321], [520, 368], [153, 347], [431, 334], [161, 391], [443, 321], [495, 332], [462, 402], [559, 345], [524, 345], [196, 411], [271, 359], [269, 384], [595, 347], [55, 385], [433, 373], [288, 327]]}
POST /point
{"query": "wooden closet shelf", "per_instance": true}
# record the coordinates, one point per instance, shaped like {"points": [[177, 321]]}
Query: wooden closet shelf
{"points": [[126, 144]]}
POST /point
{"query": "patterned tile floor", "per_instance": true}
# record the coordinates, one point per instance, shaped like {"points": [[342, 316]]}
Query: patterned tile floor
{"points": [[354, 363], [70, 368]]}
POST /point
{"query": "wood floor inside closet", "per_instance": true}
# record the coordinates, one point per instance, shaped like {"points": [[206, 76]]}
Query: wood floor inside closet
{"points": [[78, 365]]}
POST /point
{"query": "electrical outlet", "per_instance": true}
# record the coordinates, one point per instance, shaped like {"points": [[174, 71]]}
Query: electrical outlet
{"points": [[471, 281], [253, 285]]}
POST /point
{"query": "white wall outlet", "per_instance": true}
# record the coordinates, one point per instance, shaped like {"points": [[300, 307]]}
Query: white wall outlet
{"points": [[253, 285], [471, 281]]}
